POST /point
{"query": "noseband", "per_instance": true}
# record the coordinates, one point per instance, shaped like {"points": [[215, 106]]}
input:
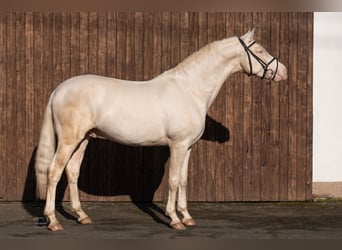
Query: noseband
{"points": [[259, 60]]}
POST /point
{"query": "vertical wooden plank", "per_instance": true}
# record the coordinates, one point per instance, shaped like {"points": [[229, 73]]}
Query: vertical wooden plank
{"points": [[29, 101], [274, 143], [111, 44], [237, 133], [3, 127], [102, 44], [93, 43], [110, 71], [247, 167], [148, 74], [66, 46], [130, 64], [75, 44], [166, 41], [57, 78], [148, 45], [84, 48], [94, 65], [139, 48], [184, 35], [228, 171], [266, 168], [83, 62], [202, 145], [309, 108], [193, 161], [121, 45], [165, 65], [121, 74], [131, 154], [97, 41], [20, 99], [11, 108], [57, 49], [175, 39], [184, 53], [284, 111], [48, 67], [292, 73], [97, 65], [139, 75], [156, 65], [213, 113], [301, 131], [221, 107], [256, 124]]}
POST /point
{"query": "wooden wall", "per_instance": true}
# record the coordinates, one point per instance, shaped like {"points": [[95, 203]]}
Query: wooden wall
{"points": [[258, 141]]}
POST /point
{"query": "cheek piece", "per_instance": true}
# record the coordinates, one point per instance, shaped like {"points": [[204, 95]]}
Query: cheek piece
{"points": [[259, 60]]}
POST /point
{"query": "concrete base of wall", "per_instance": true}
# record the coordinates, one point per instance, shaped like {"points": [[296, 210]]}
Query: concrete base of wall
{"points": [[327, 189]]}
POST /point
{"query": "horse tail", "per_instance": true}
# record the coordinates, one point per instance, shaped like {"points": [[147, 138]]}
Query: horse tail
{"points": [[45, 152]]}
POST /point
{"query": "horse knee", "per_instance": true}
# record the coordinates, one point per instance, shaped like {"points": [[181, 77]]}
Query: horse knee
{"points": [[72, 176], [183, 182], [53, 178], [173, 183]]}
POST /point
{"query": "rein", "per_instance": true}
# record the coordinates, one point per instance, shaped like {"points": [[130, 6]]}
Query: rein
{"points": [[259, 60]]}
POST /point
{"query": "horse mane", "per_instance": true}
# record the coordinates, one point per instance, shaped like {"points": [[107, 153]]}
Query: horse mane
{"points": [[206, 51]]}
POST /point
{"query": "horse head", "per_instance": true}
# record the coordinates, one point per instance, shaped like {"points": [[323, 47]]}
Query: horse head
{"points": [[255, 60]]}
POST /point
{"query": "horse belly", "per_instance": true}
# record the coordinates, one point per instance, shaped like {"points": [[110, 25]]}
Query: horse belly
{"points": [[139, 129]]}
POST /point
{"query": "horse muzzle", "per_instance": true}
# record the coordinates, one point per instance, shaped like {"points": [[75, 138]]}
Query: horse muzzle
{"points": [[281, 73]]}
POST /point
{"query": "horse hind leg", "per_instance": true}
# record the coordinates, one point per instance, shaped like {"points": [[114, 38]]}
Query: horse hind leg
{"points": [[61, 158], [73, 171]]}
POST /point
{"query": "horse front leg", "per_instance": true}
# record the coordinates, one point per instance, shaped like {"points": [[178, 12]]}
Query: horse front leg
{"points": [[73, 172], [182, 198], [177, 157]]}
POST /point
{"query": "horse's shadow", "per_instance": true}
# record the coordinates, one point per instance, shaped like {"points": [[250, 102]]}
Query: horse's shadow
{"points": [[111, 169]]}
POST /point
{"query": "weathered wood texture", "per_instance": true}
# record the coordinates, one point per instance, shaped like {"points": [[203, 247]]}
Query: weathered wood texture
{"points": [[258, 141]]}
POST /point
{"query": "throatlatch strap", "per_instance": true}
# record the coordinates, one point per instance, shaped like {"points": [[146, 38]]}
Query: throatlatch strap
{"points": [[249, 56]]}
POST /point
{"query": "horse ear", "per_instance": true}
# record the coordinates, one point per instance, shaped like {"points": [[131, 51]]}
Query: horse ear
{"points": [[252, 33], [248, 37]]}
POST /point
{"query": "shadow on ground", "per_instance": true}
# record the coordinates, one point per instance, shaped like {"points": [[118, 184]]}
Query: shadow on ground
{"points": [[111, 169]]}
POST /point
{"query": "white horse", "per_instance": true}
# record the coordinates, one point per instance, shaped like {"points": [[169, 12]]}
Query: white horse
{"points": [[169, 109]]}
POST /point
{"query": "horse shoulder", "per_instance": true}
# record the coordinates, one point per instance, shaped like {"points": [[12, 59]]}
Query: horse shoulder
{"points": [[183, 118]]}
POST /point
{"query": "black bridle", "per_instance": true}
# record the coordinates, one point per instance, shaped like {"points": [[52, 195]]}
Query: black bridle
{"points": [[259, 60]]}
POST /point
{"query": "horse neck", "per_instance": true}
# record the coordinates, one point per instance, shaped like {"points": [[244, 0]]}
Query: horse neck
{"points": [[204, 72]]}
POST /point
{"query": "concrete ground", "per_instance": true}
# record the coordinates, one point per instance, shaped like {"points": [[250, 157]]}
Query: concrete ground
{"points": [[286, 220]]}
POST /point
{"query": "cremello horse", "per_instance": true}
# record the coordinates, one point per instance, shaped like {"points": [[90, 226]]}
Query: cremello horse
{"points": [[167, 110]]}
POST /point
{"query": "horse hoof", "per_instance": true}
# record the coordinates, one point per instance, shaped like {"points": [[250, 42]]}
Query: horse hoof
{"points": [[85, 221], [189, 222], [178, 226], [56, 227]]}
